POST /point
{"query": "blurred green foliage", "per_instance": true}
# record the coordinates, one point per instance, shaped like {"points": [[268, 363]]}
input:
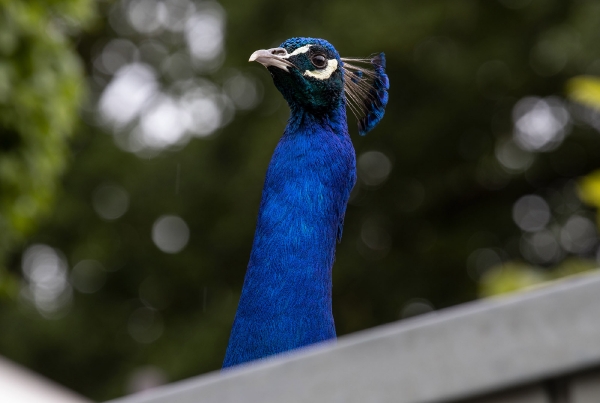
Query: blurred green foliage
{"points": [[585, 89], [589, 189], [433, 217], [514, 276], [41, 87]]}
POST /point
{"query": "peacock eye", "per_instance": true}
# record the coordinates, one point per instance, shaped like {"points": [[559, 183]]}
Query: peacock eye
{"points": [[319, 61]]}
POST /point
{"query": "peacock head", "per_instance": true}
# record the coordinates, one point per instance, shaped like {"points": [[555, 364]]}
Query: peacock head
{"points": [[313, 77]]}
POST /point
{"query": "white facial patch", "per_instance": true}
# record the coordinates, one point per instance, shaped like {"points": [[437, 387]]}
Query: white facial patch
{"points": [[323, 74]]}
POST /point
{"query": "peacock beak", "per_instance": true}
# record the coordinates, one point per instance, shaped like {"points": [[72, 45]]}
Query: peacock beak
{"points": [[276, 57]]}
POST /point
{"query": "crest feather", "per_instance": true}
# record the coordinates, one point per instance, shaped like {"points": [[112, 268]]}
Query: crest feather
{"points": [[366, 90]]}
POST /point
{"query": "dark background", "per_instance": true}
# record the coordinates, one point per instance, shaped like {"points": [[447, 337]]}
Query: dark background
{"points": [[115, 114]]}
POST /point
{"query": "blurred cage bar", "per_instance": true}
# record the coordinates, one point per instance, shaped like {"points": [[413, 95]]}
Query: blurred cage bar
{"points": [[536, 346]]}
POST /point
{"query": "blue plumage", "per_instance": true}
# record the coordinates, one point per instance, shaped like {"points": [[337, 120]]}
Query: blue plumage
{"points": [[286, 298]]}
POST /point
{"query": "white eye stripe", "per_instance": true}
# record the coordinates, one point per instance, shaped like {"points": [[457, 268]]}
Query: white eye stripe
{"points": [[302, 49], [323, 74]]}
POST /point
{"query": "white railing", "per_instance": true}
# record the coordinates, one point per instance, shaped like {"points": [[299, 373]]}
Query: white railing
{"points": [[529, 347], [20, 385]]}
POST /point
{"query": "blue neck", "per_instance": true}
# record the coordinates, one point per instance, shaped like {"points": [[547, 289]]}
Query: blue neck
{"points": [[286, 298]]}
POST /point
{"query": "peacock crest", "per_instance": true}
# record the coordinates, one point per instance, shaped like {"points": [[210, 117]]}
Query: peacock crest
{"points": [[366, 86]]}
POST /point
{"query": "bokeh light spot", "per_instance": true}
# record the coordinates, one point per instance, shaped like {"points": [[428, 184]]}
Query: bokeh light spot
{"points": [[163, 123], [540, 124], [45, 271], [110, 201], [127, 94], [244, 91], [373, 167], [88, 276], [177, 13], [205, 33], [116, 54], [145, 325], [540, 247], [146, 15], [202, 106], [578, 235], [513, 158], [170, 233], [531, 213]]}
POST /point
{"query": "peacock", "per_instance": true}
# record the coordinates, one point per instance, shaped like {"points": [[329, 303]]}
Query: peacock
{"points": [[286, 297]]}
